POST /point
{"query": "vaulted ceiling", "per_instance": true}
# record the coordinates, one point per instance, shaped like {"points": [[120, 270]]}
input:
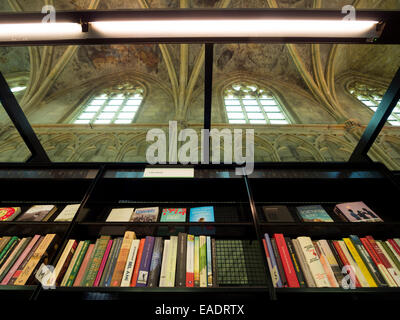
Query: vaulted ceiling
{"points": [[313, 68]]}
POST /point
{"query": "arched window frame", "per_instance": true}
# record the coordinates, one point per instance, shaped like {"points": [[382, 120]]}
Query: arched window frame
{"points": [[117, 105], [257, 106], [371, 97]]}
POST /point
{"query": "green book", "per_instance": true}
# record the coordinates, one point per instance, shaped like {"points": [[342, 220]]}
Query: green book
{"points": [[77, 265], [196, 261], [203, 261], [95, 262], [10, 245], [391, 254], [16, 256]]}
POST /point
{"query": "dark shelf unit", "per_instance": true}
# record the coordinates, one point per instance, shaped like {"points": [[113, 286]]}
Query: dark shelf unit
{"points": [[237, 201]]}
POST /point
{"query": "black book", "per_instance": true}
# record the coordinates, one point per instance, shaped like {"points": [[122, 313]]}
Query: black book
{"points": [[277, 214], [279, 263], [180, 276], [296, 265], [155, 267]]}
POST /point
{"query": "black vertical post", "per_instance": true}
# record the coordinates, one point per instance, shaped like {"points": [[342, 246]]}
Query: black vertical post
{"points": [[208, 83], [21, 123], [385, 109]]}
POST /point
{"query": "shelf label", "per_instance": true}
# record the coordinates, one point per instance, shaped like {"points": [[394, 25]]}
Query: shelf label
{"points": [[168, 173]]}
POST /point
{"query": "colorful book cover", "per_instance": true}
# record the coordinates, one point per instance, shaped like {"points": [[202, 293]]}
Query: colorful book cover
{"points": [[196, 261], [155, 266], [190, 261], [5, 268], [276, 279], [203, 262], [173, 215], [137, 263], [130, 264], [358, 212], [145, 263], [288, 267], [37, 213], [77, 264], [113, 263], [145, 215], [199, 215], [314, 213], [9, 214], [83, 267], [209, 263], [103, 264], [129, 236]]}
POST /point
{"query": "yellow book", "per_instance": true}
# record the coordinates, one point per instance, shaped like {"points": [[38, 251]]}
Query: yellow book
{"points": [[122, 258], [360, 263]]}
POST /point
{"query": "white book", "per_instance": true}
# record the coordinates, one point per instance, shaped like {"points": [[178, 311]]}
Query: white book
{"points": [[393, 250], [361, 279], [72, 263], [164, 265], [304, 266], [190, 257], [120, 215], [328, 268], [61, 262], [68, 213], [312, 260], [130, 264], [394, 272], [172, 261]]}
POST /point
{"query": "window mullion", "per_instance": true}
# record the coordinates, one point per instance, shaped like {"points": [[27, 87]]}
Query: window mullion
{"points": [[244, 110], [100, 110], [116, 114]]}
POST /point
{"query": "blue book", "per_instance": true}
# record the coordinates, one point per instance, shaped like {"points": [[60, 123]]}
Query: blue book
{"points": [[276, 279], [209, 263], [202, 214], [314, 213], [113, 262], [144, 268]]}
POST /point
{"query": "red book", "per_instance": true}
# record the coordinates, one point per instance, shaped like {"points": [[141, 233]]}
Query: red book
{"points": [[288, 268], [395, 246], [379, 252], [371, 251], [83, 266], [345, 262], [137, 263], [103, 264]]}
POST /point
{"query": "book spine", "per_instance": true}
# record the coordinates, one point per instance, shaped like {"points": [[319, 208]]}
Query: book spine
{"points": [[326, 266], [85, 275], [113, 263], [268, 261], [10, 245], [71, 264], [34, 262], [77, 264], [384, 272], [3, 242], [111, 255], [331, 259], [279, 264], [288, 268], [145, 263], [346, 263], [20, 259], [122, 258], [13, 257], [209, 263], [84, 266], [25, 261], [214, 265], [130, 264], [180, 277], [392, 245], [295, 263], [65, 260], [155, 266], [276, 279], [190, 261], [203, 262], [360, 263], [172, 261], [372, 268], [361, 279], [164, 265], [103, 263], [304, 266], [137, 263], [196, 261], [396, 273], [384, 260]]}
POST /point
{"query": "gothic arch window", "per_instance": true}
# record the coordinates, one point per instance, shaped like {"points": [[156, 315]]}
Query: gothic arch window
{"points": [[118, 105], [250, 104], [371, 97]]}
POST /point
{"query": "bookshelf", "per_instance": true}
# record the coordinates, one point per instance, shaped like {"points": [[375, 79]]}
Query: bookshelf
{"points": [[237, 201]]}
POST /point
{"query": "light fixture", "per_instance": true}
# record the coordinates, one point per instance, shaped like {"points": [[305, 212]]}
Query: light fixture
{"points": [[186, 26]]}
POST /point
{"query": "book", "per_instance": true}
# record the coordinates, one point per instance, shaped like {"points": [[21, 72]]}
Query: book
{"points": [[38, 213], [304, 266], [202, 214], [203, 261], [72, 263], [13, 257], [122, 258], [144, 269], [288, 268], [277, 214], [196, 261], [155, 266], [396, 271], [3, 242], [357, 212], [7, 251], [273, 268], [279, 263], [130, 263], [83, 266], [313, 262], [295, 262], [391, 256], [145, 215], [173, 215], [108, 273], [347, 268], [137, 263], [190, 261], [103, 264], [326, 250], [120, 215], [359, 275], [180, 278], [9, 214], [40, 255], [68, 213], [325, 264], [214, 265], [164, 265], [63, 262], [314, 213], [77, 264], [209, 263], [173, 251]]}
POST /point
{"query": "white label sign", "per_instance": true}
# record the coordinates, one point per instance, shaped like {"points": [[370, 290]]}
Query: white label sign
{"points": [[168, 173]]}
